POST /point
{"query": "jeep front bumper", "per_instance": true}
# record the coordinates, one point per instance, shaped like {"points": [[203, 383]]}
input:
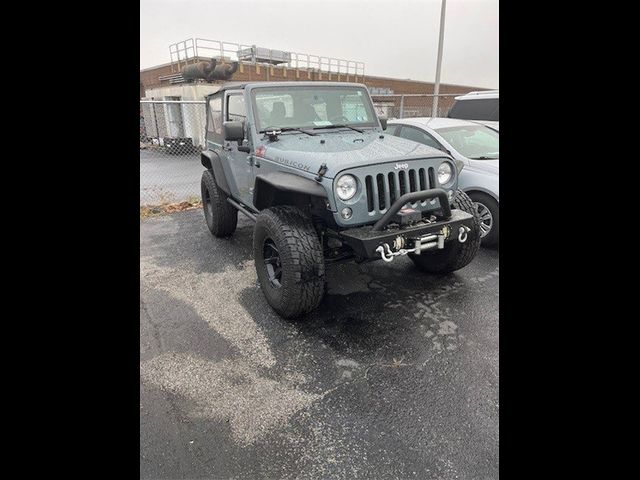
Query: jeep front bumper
{"points": [[383, 241]]}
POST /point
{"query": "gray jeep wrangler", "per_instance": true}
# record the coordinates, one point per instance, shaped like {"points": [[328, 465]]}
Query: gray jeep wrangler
{"points": [[309, 163]]}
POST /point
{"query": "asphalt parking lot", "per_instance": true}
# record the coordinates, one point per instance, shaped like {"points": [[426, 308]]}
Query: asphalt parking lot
{"points": [[394, 376]]}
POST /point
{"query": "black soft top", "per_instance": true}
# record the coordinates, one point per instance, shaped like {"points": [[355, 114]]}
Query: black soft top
{"points": [[230, 86]]}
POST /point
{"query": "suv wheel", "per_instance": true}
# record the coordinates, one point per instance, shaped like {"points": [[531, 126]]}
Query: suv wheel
{"points": [[489, 212], [289, 260], [220, 215], [454, 255]]}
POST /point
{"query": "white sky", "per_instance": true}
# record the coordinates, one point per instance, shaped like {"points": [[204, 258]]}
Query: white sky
{"points": [[395, 38]]}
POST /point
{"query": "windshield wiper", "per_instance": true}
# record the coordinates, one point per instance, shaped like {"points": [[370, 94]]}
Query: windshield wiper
{"points": [[287, 129], [483, 158], [339, 126]]}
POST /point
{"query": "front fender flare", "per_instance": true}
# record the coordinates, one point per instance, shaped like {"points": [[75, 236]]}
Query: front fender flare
{"points": [[278, 188]]}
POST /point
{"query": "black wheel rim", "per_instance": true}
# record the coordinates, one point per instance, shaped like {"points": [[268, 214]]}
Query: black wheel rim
{"points": [[272, 263]]}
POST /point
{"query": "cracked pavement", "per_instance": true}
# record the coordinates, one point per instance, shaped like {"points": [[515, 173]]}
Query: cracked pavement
{"points": [[394, 376]]}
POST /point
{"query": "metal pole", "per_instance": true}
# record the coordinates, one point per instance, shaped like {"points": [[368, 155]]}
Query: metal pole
{"points": [[402, 106], [436, 87], [155, 120]]}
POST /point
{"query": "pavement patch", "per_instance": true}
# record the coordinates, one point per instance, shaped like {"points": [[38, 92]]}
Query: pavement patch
{"points": [[227, 391], [214, 296]]}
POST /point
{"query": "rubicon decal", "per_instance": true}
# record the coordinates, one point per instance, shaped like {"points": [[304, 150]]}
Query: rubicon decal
{"points": [[290, 163]]}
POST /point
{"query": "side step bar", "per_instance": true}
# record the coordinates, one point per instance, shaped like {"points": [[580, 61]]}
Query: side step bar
{"points": [[242, 209]]}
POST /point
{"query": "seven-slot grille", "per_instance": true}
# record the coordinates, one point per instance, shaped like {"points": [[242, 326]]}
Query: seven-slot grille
{"points": [[384, 188]]}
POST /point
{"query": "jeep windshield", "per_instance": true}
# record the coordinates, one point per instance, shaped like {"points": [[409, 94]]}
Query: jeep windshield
{"points": [[288, 108], [473, 141]]}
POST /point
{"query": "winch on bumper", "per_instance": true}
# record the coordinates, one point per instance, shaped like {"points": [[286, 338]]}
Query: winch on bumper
{"points": [[386, 242]]}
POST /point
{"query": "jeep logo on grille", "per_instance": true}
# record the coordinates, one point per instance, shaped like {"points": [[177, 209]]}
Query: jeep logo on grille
{"points": [[403, 166]]}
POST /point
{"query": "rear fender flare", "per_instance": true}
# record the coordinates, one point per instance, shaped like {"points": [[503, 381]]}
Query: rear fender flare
{"points": [[212, 161]]}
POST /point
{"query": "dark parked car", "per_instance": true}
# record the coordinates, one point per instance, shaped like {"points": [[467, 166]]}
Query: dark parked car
{"points": [[482, 106]]}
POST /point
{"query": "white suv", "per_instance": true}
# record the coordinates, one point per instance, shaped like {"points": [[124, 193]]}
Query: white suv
{"points": [[482, 107]]}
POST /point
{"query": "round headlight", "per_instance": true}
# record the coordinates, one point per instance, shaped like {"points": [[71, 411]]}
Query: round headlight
{"points": [[445, 172], [346, 187]]}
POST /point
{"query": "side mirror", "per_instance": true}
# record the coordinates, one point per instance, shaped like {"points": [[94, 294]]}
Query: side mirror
{"points": [[233, 131], [383, 121]]}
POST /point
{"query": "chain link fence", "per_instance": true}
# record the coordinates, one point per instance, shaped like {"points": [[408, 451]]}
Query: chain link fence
{"points": [[412, 105], [172, 137]]}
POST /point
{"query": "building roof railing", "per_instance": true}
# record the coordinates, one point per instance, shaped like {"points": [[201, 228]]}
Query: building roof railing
{"points": [[193, 50]]}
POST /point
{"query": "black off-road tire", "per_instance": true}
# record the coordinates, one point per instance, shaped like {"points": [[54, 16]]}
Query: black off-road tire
{"points": [[454, 255], [300, 287], [490, 239], [220, 215]]}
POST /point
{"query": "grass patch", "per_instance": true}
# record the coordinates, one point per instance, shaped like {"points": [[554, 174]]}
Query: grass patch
{"points": [[191, 203]]}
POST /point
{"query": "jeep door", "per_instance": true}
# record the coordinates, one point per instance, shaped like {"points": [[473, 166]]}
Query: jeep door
{"points": [[239, 162]]}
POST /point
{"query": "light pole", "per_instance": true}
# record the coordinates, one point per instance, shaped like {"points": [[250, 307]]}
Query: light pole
{"points": [[436, 87]]}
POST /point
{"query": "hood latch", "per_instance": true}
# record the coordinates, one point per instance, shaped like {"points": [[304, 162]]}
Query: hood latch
{"points": [[321, 172]]}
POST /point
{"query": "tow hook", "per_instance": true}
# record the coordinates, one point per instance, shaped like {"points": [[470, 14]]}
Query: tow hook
{"points": [[462, 235], [386, 253]]}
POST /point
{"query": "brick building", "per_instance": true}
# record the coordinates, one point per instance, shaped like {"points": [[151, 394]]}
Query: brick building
{"points": [[168, 74], [392, 96]]}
